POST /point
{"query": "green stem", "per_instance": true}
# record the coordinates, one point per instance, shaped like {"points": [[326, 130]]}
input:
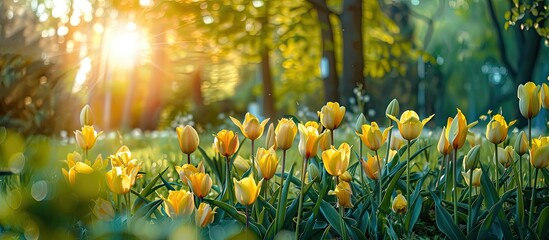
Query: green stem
{"points": [[520, 171], [253, 161], [440, 171], [281, 181], [530, 146], [247, 218], [332, 137], [128, 208], [300, 209], [189, 158], [342, 213], [533, 200], [380, 177], [361, 168], [408, 173], [454, 191], [446, 176], [228, 188], [497, 166], [470, 215]]}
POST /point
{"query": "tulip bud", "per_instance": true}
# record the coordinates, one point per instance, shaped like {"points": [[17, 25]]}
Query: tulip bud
{"points": [[400, 205], [103, 210], [204, 215], [472, 158], [335, 160], [392, 108], [477, 173], [314, 173], [324, 142], [343, 193], [270, 140], [200, 183], [497, 128], [226, 142], [86, 116], [521, 144], [242, 165], [545, 96], [267, 162], [539, 154], [443, 145], [285, 132], [529, 99], [188, 139], [372, 167], [331, 115], [361, 120], [505, 156]]}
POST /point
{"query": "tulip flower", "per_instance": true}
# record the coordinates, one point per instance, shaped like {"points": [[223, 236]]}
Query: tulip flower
{"points": [[529, 99], [246, 190], [331, 115], [187, 170], [122, 157], [505, 156], [361, 120], [521, 144], [457, 130], [308, 141], [477, 173], [200, 183], [497, 128], [179, 203], [372, 167], [241, 164], [250, 128], [539, 158], [121, 179], [188, 140], [335, 160], [87, 137], [343, 192], [545, 96], [82, 175], [226, 142], [470, 161], [372, 137], [267, 162], [204, 215], [86, 116], [400, 205], [103, 210], [285, 132], [346, 176], [443, 146], [270, 139], [409, 125]]}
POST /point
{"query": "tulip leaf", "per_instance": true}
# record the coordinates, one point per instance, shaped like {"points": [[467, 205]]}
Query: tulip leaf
{"points": [[332, 216], [267, 206], [488, 221], [520, 199], [543, 223], [492, 198], [414, 208], [326, 232], [167, 184], [444, 220], [258, 229], [281, 213], [384, 207], [215, 166], [146, 210], [150, 188]]}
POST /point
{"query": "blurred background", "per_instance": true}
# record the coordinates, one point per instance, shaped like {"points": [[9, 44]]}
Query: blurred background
{"points": [[150, 64]]}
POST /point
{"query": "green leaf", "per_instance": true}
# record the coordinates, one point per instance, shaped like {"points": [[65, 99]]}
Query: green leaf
{"points": [[215, 166], [332, 216], [414, 209], [384, 208], [166, 184], [543, 223], [489, 220], [281, 213], [444, 220], [146, 210], [492, 198], [147, 190], [258, 229]]}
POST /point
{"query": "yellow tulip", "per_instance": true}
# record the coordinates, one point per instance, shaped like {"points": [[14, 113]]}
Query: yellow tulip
{"points": [[86, 116], [308, 141], [545, 96], [361, 120], [270, 139], [396, 142], [335, 160], [477, 173], [103, 210], [497, 128], [315, 125], [539, 154], [241, 164], [246, 190], [505, 156], [331, 115], [346, 176], [392, 154], [204, 215], [285, 133], [226, 142], [122, 158], [250, 128], [521, 144], [200, 183], [372, 168], [81, 169], [179, 203], [400, 205], [443, 145], [409, 125], [457, 130], [121, 179], [343, 192], [324, 141], [188, 139], [87, 137], [187, 170], [372, 137], [529, 99], [267, 162]]}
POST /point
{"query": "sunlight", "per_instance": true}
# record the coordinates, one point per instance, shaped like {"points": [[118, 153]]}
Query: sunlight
{"points": [[126, 47]]}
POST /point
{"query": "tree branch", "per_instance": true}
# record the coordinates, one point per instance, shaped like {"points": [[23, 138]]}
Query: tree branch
{"points": [[322, 7], [501, 42]]}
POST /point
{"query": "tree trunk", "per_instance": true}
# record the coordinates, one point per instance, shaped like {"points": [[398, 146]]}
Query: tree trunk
{"points": [[330, 79], [353, 67], [266, 76]]}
